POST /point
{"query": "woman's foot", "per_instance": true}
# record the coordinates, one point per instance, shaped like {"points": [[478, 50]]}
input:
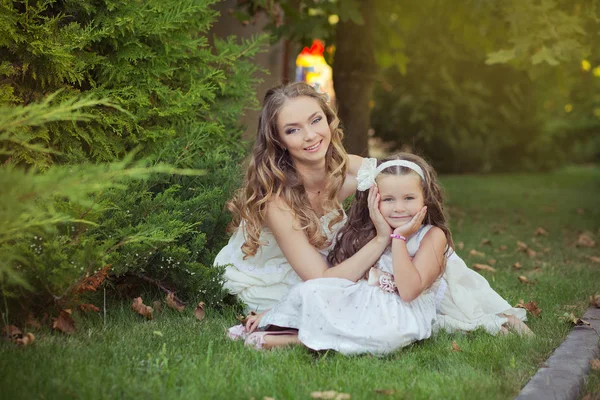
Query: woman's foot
{"points": [[518, 326]]}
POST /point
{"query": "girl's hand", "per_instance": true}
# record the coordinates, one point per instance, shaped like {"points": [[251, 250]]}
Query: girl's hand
{"points": [[253, 322], [409, 229], [383, 228]]}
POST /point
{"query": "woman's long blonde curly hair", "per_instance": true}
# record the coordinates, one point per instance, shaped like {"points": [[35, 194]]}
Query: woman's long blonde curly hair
{"points": [[271, 173]]}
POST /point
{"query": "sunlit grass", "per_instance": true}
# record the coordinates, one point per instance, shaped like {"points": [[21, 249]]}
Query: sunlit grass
{"points": [[175, 356]]}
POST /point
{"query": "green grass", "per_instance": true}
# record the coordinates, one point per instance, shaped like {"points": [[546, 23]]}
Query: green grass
{"points": [[175, 356]]}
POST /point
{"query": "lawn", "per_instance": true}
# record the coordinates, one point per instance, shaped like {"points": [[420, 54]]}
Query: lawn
{"points": [[176, 356]]}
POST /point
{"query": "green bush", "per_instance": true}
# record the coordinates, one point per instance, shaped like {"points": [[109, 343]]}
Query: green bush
{"points": [[179, 100]]}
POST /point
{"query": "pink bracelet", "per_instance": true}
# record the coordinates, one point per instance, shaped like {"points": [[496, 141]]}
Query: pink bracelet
{"points": [[396, 236]]}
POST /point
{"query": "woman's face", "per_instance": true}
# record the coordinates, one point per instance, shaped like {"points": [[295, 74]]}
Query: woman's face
{"points": [[303, 129]]}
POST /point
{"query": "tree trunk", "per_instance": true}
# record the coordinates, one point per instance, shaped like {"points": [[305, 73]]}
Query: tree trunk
{"points": [[354, 71]]}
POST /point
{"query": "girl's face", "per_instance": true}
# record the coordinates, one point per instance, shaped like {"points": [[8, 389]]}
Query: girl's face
{"points": [[303, 129], [401, 197]]}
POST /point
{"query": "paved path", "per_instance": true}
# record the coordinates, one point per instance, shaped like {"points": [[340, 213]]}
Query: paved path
{"points": [[562, 376]]}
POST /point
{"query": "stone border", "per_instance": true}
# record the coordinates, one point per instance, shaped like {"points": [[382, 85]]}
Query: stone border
{"points": [[562, 376]]}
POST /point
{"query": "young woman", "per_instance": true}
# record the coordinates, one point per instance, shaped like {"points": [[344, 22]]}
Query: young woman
{"points": [[289, 208]]}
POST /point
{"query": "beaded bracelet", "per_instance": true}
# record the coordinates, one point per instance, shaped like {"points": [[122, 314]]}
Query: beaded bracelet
{"points": [[396, 236]]}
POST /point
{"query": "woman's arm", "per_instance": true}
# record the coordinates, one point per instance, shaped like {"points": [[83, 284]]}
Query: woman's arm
{"points": [[350, 183], [307, 261], [414, 276]]}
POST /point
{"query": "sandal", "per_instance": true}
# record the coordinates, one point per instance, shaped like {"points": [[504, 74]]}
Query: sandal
{"points": [[257, 339], [237, 332]]}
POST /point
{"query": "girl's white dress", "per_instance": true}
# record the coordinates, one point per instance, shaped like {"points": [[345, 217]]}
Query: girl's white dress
{"points": [[338, 314], [262, 280], [355, 317]]}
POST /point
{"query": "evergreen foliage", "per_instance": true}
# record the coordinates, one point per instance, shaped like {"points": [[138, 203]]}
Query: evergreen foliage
{"points": [[178, 101]]}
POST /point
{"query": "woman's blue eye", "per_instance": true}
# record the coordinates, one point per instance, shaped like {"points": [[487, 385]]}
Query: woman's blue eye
{"points": [[317, 120], [291, 130], [410, 198]]}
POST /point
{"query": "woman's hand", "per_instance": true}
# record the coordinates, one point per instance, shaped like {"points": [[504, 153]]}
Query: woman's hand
{"points": [[383, 228], [253, 322], [409, 229]]}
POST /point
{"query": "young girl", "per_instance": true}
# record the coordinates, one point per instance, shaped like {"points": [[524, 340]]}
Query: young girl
{"points": [[417, 277]]}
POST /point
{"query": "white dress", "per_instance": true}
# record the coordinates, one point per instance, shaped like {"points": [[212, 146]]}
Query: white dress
{"points": [[262, 280], [354, 318], [468, 301]]}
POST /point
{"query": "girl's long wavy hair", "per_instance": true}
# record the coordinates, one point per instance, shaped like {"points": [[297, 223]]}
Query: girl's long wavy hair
{"points": [[271, 173], [359, 228]]}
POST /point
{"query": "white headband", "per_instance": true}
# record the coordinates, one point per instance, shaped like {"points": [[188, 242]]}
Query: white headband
{"points": [[369, 170]]}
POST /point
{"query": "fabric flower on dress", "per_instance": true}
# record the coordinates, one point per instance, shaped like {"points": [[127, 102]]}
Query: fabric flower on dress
{"points": [[387, 283], [366, 174]]}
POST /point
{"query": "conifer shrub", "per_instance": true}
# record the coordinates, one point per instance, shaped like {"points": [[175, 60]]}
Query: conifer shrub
{"points": [[177, 100]]}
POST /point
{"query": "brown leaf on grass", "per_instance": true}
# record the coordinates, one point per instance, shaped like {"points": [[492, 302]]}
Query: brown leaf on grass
{"points": [[523, 279], [585, 240], [522, 246], [33, 322], [594, 259], [517, 265], [11, 331], [199, 311], [541, 232], [580, 211], [531, 253], [491, 261], [530, 306], [575, 320], [64, 322], [330, 394], [595, 364], [503, 247], [244, 319], [157, 305], [139, 307], [485, 242], [25, 340], [476, 253], [595, 301], [484, 267], [460, 245], [455, 347], [91, 283], [88, 308], [173, 303]]}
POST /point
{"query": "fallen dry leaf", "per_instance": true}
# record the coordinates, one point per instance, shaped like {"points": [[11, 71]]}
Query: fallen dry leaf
{"points": [[91, 283], [455, 347], [594, 259], [503, 247], [142, 309], [330, 394], [524, 279], [517, 265], [484, 267], [531, 253], [491, 261], [460, 245], [522, 246], [10, 331], [476, 253], [580, 211], [530, 306], [575, 320], [173, 303], [386, 392], [64, 322], [595, 364], [88, 308], [585, 240], [157, 305], [25, 340], [595, 301], [485, 242], [541, 232], [199, 311]]}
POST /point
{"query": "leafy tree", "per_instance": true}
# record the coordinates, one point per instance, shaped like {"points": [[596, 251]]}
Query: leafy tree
{"points": [[178, 99]]}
